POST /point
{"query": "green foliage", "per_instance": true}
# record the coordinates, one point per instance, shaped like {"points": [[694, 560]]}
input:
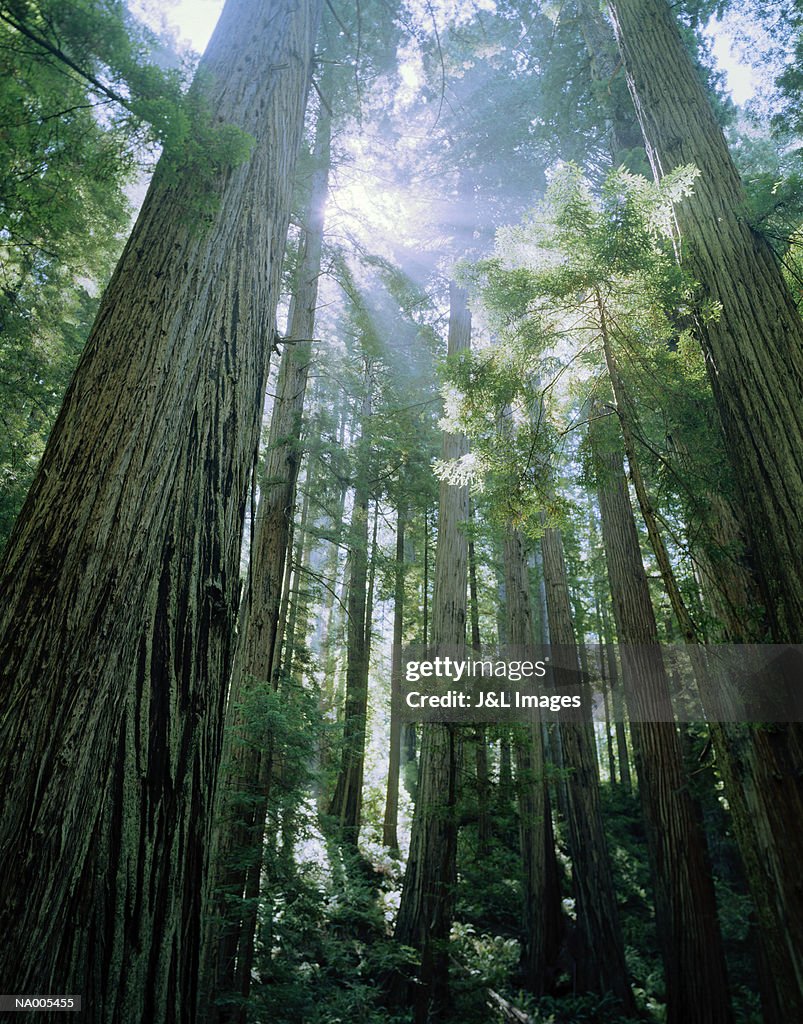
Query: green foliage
{"points": [[324, 950], [199, 152], [489, 887], [579, 258], [488, 959], [772, 176], [62, 210], [481, 962], [107, 60], [127, 72], [84, 104], [42, 330], [576, 1009]]}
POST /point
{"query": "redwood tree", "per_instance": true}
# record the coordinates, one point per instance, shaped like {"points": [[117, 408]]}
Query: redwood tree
{"points": [[389, 827], [346, 805], [601, 962], [121, 579], [427, 902], [247, 768], [751, 331], [542, 917], [685, 906]]}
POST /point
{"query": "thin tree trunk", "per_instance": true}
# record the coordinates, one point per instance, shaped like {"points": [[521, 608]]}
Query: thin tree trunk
{"points": [[610, 673], [504, 789], [369, 597], [295, 601], [473, 596], [505, 765], [600, 964], [685, 906], [346, 804], [427, 902], [606, 694], [332, 641], [542, 916], [389, 829], [553, 746], [480, 742], [484, 831], [754, 342], [120, 581], [408, 736], [618, 706], [332, 607], [425, 626], [606, 690]]}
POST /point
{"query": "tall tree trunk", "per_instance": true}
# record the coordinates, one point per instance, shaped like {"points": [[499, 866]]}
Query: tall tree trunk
{"points": [[600, 43], [346, 804], [333, 607], [331, 633], [427, 902], [685, 906], [757, 766], [618, 705], [370, 592], [754, 346], [600, 963], [389, 829], [606, 688], [473, 594], [480, 741], [409, 738], [606, 695], [542, 917], [425, 585], [246, 771], [504, 788], [120, 581], [293, 614]]}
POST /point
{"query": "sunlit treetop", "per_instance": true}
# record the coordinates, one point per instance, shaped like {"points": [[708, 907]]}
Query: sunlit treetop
{"points": [[579, 255]]}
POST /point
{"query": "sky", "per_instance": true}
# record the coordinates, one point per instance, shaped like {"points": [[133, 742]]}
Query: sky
{"points": [[195, 20], [741, 78], [361, 202]]}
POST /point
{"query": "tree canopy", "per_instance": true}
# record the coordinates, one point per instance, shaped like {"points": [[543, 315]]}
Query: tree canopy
{"points": [[384, 350]]}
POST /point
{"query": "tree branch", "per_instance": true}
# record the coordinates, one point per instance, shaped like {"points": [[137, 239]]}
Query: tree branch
{"points": [[60, 55]]}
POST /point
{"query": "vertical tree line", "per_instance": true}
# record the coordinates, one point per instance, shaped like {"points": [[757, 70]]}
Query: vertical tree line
{"points": [[120, 580], [584, 440]]}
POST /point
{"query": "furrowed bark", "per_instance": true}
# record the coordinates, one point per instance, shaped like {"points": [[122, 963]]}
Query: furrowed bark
{"points": [[120, 582], [427, 902], [389, 827], [542, 916], [246, 769], [757, 766], [685, 906], [600, 964], [346, 804], [754, 342]]}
